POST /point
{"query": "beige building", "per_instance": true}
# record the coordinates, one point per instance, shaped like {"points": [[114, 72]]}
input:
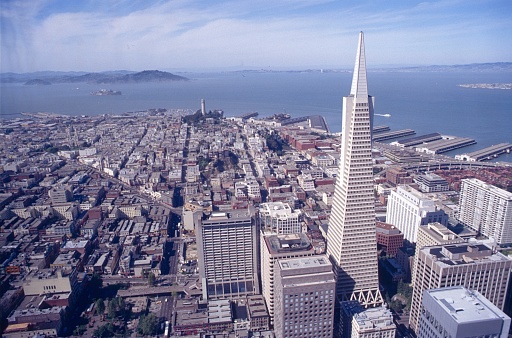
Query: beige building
{"points": [[373, 323], [279, 218], [430, 235], [474, 266], [273, 248]]}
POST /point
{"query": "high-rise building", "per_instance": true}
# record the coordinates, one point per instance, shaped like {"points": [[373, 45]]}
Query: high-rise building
{"points": [[305, 297], [475, 266], [373, 323], [276, 247], [408, 209], [351, 239], [457, 312], [228, 254], [486, 209], [430, 235], [203, 107], [279, 218]]}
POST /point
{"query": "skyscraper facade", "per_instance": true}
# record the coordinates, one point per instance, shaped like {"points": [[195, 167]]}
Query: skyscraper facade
{"points": [[351, 239], [274, 248], [227, 254], [304, 304], [486, 209], [408, 209]]}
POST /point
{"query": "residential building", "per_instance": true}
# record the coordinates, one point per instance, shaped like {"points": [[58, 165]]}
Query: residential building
{"points": [[486, 209], [351, 239]]}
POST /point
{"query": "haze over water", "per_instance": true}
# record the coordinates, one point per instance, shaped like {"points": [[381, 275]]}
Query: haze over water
{"points": [[424, 101]]}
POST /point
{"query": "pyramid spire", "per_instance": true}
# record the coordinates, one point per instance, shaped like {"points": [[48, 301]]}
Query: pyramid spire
{"points": [[359, 85]]}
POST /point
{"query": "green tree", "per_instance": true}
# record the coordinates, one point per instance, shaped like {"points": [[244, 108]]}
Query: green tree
{"points": [[151, 279], [148, 325], [106, 330], [100, 307]]}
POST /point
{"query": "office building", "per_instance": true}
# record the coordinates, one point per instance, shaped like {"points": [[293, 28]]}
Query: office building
{"points": [[351, 239], [457, 312], [279, 218], [430, 235], [276, 247], [60, 194], [486, 209], [430, 182], [373, 323], [389, 238], [408, 209], [228, 254], [305, 296], [474, 266]]}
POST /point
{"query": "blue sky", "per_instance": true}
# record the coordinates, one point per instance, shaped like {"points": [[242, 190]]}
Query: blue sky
{"points": [[99, 35]]}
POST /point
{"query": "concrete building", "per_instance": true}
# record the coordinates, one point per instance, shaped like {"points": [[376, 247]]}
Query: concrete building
{"points": [[486, 209], [60, 194], [472, 265], [305, 297], [430, 235], [227, 247], [430, 182], [373, 323], [408, 209], [351, 239], [457, 312], [279, 218], [273, 248]]}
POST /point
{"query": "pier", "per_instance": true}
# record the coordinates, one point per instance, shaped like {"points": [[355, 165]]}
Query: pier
{"points": [[446, 144], [393, 134], [380, 129], [247, 116], [413, 141], [486, 153]]}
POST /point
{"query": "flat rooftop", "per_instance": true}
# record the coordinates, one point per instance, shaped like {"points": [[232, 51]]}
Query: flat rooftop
{"points": [[464, 305], [287, 243]]}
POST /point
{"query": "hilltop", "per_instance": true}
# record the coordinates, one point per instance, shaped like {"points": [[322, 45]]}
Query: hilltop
{"points": [[105, 77]]}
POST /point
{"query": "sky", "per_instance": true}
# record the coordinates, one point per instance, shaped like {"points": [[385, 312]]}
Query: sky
{"points": [[189, 35]]}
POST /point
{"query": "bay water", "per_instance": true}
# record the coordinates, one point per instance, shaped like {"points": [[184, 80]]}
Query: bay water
{"points": [[424, 101]]}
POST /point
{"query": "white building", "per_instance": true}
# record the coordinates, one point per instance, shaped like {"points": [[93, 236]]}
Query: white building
{"points": [[279, 218], [457, 312], [486, 209], [373, 323], [351, 237], [408, 209]]}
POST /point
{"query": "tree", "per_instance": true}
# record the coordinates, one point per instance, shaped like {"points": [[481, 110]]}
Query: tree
{"points": [[106, 330], [151, 279], [148, 325], [100, 307]]}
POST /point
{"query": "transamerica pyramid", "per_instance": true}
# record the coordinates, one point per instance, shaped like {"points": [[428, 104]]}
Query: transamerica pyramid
{"points": [[351, 238]]}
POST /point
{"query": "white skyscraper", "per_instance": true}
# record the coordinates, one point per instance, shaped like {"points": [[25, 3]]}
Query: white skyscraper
{"points": [[351, 238], [487, 209]]}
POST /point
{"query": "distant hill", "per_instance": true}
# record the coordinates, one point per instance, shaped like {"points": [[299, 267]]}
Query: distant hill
{"points": [[105, 77], [37, 82]]}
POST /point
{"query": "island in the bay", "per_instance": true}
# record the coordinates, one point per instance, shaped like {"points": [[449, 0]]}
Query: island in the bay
{"points": [[105, 92], [487, 85]]}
